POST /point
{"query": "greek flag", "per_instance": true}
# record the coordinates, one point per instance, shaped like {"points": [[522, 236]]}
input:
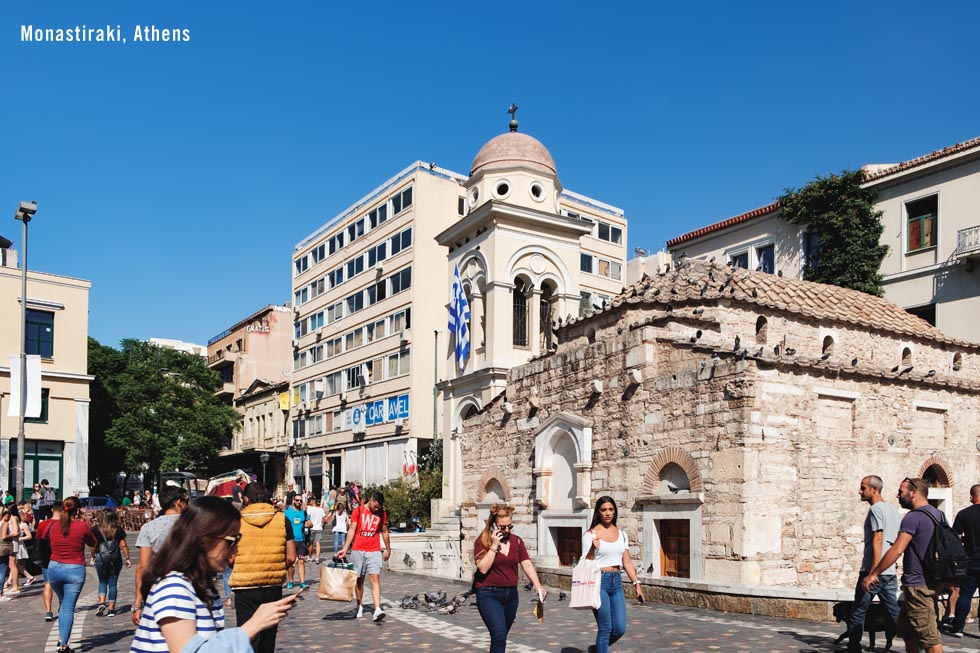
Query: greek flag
{"points": [[459, 317]]}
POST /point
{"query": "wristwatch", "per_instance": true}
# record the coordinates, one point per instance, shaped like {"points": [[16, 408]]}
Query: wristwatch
{"points": [[137, 607]]}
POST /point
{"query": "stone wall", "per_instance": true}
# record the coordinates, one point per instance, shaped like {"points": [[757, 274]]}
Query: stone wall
{"points": [[773, 444]]}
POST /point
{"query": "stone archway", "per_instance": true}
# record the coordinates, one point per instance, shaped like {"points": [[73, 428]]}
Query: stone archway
{"points": [[936, 472], [492, 476], [672, 499]]}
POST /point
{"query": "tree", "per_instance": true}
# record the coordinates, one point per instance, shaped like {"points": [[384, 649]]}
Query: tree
{"points": [[164, 414], [840, 212], [104, 462]]}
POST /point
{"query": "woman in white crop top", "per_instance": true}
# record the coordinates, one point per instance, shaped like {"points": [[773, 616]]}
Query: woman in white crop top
{"points": [[609, 547]]}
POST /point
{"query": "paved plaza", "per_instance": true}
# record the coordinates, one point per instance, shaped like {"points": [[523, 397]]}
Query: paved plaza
{"points": [[329, 626]]}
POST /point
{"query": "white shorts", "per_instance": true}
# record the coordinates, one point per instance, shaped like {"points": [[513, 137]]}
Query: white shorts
{"points": [[366, 562]]}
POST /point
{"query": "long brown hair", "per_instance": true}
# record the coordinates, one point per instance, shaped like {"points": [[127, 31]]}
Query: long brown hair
{"points": [[70, 510], [497, 510], [109, 524], [205, 521]]}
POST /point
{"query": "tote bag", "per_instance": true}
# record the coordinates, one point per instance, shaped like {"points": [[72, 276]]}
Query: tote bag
{"points": [[337, 581], [586, 583]]}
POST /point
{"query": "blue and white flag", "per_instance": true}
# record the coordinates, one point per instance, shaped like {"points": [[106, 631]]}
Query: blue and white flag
{"points": [[459, 318]]}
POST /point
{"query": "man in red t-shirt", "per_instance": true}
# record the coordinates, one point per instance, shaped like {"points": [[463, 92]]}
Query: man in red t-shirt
{"points": [[366, 522], [47, 594]]}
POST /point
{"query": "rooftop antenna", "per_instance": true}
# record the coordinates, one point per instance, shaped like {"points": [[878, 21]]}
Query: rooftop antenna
{"points": [[513, 116]]}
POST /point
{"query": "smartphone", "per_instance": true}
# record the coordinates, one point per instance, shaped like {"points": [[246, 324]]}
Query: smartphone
{"points": [[299, 593]]}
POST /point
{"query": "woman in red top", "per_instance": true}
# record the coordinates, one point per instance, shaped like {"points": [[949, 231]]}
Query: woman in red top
{"points": [[66, 571], [498, 553]]}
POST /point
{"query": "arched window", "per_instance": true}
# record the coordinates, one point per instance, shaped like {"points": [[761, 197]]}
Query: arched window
{"points": [[828, 345], [547, 312], [761, 330], [957, 361], [522, 296], [906, 357]]}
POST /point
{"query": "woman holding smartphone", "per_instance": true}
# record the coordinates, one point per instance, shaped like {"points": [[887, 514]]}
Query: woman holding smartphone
{"points": [[610, 548], [498, 554]]}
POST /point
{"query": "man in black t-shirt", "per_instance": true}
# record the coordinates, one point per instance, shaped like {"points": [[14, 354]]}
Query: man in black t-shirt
{"points": [[967, 526]]}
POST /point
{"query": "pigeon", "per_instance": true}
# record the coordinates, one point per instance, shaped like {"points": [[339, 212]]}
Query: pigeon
{"points": [[906, 370], [738, 343], [759, 353], [715, 360], [775, 350], [931, 373], [529, 587], [742, 354], [790, 351], [698, 311], [854, 362], [895, 369], [562, 596], [825, 357]]}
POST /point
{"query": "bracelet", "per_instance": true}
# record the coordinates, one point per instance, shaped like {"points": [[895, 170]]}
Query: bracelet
{"points": [[497, 550]]}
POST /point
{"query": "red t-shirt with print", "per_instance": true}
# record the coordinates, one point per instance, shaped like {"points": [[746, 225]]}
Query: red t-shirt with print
{"points": [[366, 526]]}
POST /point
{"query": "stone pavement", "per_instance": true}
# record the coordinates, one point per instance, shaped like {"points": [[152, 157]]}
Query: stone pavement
{"points": [[329, 626]]}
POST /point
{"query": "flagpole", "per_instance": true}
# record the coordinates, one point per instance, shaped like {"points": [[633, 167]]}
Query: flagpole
{"points": [[435, 388]]}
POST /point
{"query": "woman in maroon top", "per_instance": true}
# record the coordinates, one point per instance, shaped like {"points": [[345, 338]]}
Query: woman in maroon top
{"points": [[498, 553], [66, 571]]}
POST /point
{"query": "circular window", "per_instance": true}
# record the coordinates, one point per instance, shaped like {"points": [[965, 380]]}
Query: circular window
{"points": [[537, 191], [502, 189], [474, 197]]}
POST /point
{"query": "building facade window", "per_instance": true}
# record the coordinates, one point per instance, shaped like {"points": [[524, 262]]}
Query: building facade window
{"points": [[923, 219], [766, 256], [521, 297], [43, 417], [739, 260], [40, 333]]}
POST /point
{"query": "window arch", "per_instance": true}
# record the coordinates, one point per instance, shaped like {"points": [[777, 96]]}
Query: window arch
{"points": [[548, 303], [520, 310], [828, 345], [761, 330], [906, 356]]}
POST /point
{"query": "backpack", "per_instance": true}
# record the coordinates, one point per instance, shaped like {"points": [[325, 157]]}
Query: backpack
{"points": [[945, 560], [107, 549]]}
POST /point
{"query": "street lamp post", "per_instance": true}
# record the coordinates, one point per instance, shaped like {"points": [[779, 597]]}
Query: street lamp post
{"points": [[264, 459], [304, 453], [24, 214]]}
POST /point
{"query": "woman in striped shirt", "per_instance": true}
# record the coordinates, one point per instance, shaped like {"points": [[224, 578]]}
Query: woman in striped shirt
{"points": [[181, 602]]}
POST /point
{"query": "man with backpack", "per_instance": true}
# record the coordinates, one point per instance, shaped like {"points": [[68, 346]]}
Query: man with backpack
{"points": [[917, 623], [967, 526]]}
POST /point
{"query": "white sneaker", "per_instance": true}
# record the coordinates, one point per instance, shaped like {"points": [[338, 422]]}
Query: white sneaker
{"points": [[4, 598], [360, 612], [379, 614]]}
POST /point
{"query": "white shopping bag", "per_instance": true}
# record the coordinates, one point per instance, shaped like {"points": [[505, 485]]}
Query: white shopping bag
{"points": [[586, 584]]}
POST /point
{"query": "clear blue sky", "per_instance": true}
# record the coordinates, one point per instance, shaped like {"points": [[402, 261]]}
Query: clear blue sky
{"points": [[179, 177]]}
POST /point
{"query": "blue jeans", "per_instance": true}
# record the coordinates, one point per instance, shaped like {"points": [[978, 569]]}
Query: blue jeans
{"points": [[338, 540], [4, 570], [498, 607], [611, 615], [225, 576], [884, 589], [968, 586], [67, 582], [108, 573]]}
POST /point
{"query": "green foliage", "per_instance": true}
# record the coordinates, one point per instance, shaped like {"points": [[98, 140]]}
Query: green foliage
{"points": [[405, 499], [104, 363], [841, 214], [158, 408]]}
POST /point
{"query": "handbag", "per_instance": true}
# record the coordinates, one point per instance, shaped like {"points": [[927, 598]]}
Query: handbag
{"points": [[586, 586], [337, 581]]}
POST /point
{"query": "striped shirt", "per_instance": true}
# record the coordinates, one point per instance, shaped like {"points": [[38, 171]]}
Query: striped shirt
{"points": [[173, 596]]}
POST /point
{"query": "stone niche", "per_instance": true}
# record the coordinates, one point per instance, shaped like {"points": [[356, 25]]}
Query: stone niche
{"points": [[562, 480]]}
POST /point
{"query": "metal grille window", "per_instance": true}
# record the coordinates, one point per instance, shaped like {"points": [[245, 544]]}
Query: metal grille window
{"points": [[521, 292]]}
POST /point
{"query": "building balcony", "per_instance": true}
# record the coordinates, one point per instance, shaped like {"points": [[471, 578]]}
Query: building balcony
{"points": [[221, 359], [225, 390], [968, 243]]}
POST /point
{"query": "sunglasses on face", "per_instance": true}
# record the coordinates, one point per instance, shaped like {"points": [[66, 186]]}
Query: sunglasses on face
{"points": [[505, 527], [233, 540]]}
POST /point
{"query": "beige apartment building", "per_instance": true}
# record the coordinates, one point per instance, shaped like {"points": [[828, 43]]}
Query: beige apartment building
{"points": [[932, 230], [57, 329], [374, 380], [252, 357]]}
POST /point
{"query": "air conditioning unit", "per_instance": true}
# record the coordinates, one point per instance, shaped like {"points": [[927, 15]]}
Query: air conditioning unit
{"points": [[343, 396], [399, 422], [302, 407], [295, 343], [406, 336], [319, 332], [295, 310]]}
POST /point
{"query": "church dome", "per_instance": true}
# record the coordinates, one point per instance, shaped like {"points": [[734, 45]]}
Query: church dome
{"points": [[514, 149]]}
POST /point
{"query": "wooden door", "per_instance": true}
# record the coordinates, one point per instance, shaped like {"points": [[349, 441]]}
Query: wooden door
{"points": [[568, 542], [675, 548]]}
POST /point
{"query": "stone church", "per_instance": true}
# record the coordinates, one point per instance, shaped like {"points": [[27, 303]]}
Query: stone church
{"points": [[731, 414]]}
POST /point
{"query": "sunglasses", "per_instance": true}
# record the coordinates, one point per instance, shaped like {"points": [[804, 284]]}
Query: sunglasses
{"points": [[507, 527], [233, 540]]}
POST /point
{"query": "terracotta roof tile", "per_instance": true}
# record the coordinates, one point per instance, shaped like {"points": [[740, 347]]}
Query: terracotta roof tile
{"points": [[682, 285]]}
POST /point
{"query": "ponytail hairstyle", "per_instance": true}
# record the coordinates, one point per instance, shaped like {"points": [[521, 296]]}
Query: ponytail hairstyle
{"points": [[497, 510], [69, 512]]}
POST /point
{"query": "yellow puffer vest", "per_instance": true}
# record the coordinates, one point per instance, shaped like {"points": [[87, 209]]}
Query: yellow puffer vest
{"points": [[261, 557]]}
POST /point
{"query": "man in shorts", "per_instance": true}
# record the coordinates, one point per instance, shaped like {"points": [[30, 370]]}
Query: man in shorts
{"points": [[366, 523], [917, 622], [298, 520], [316, 516]]}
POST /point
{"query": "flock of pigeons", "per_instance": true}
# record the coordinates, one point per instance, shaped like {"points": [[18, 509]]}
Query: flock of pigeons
{"points": [[439, 601]]}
